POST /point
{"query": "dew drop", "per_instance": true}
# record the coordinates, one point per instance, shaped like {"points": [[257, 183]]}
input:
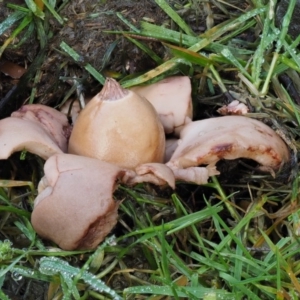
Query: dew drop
{"points": [[16, 276]]}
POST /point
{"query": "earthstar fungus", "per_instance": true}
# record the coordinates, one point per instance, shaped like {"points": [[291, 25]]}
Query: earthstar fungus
{"points": [[233, 108], [51, 120], [75, 206], [118, 138]]}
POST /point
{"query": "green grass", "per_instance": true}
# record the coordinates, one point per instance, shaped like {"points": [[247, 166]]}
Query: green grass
{"points": [[190, 243]]}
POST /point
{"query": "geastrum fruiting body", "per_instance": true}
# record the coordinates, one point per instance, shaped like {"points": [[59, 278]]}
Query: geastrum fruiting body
{"points": [[118, 138], [75, 206]]}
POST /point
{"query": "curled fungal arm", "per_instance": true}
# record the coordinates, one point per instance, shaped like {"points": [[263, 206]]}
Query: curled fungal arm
{"points": [[52, 121], [205, 142], [18, 135], [75, 206], [172, 99]]}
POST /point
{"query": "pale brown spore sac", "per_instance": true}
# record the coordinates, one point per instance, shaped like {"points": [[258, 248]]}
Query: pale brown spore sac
{"points": [[205, 142], [119, 127], [112, 91]]}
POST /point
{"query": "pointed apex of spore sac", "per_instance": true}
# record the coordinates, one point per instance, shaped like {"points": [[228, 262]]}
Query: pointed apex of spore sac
{"points": [[112, 91]]}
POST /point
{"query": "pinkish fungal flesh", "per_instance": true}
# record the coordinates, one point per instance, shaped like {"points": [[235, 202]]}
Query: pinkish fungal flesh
{"points": [[52, 121], [233, 108], [75, 206], [205, 142], [18, 135], [171, 145], [155, 173], [171, 98]]}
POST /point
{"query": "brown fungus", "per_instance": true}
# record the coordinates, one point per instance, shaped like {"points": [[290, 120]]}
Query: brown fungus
{"points": [[119, 127]]}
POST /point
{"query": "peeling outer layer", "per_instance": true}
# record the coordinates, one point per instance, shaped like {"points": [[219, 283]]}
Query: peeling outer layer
{"points": [[171, 98], [199, 175], [155, 173], [18, 135], [205, 142], [75, 206], [53, 122]]}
